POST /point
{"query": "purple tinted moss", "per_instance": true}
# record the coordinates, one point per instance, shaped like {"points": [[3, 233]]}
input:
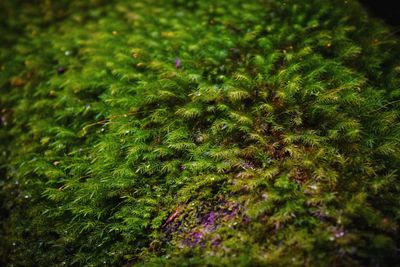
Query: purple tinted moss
{"points": [[209, 219], [209, 222], [216, 242], [177, 63], [60, 70], [245, 219], [193, 239]]}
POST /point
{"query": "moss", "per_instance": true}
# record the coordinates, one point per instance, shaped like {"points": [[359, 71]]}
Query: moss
{"points": [[198, 133]]}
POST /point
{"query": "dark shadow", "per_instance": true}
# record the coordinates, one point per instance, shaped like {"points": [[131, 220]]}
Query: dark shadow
{"points": [[388, 10]]}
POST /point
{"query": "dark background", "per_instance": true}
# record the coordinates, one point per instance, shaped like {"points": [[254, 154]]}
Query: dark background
{"points": [[388, 10]]}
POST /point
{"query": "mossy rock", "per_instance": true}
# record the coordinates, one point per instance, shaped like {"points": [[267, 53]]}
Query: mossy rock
{"points": [[198, 133]]}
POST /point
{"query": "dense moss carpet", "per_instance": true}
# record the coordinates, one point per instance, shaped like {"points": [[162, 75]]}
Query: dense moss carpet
{"points": [[198, 133]]}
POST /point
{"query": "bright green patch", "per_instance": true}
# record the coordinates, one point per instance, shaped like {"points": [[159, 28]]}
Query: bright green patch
{"points": [[198, 133]]}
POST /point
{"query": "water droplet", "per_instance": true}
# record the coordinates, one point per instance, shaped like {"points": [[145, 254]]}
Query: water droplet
{"points": [[339, 234], [313, 187]]}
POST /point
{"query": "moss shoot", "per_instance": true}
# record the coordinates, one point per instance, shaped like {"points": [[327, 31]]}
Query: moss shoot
{"points": [[198, 133]]}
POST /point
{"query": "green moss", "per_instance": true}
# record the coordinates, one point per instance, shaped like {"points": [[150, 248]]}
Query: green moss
{"points": [[198, 133]]}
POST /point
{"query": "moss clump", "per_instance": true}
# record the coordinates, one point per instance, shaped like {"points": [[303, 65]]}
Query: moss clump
{"points": [[198, 133]]}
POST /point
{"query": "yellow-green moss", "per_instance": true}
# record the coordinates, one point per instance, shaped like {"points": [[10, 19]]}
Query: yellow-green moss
{"points": [[198, 133]]}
